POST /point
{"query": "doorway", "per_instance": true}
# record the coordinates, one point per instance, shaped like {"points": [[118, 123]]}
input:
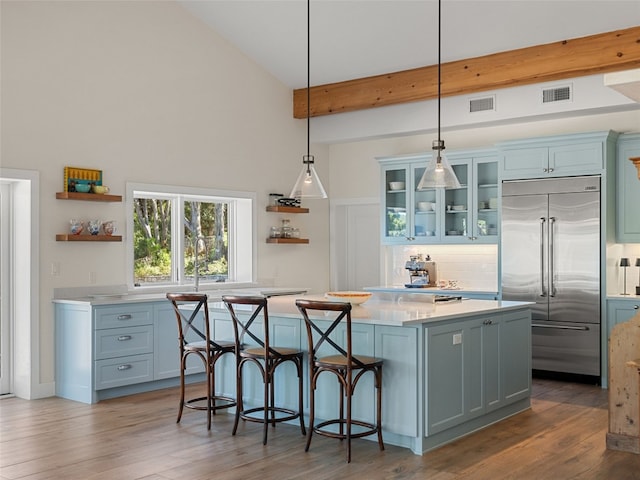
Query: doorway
{"points": [[19, 285]]}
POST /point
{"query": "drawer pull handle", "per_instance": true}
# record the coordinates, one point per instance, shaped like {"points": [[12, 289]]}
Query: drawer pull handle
{"points": [[122, 338], [124, 367], [126, 316]]}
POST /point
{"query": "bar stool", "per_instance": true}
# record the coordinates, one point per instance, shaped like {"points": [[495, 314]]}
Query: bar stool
{"points": [[267, 358], [194, 338], [348, 369]]}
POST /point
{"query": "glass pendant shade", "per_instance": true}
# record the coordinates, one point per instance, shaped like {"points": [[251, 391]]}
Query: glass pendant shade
{"points": [[308, 184], [438, 173]]}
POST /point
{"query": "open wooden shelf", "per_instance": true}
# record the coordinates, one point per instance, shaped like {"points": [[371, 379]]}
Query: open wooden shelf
{"points": [[93, 197], [287, 240], [68, 237], [283, 209]]}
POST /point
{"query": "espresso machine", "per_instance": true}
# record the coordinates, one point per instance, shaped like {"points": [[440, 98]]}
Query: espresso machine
{"points": [[422, 272]]}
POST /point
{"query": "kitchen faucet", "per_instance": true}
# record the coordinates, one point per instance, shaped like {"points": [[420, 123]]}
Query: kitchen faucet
{"points": [[196, 265]]}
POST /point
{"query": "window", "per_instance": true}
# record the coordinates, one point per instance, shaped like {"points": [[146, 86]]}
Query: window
{"points": [[189, 236]]}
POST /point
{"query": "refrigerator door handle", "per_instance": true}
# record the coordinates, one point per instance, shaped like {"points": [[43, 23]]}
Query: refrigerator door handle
{"points": [[560, 327], [552, 269], [543, 290]]}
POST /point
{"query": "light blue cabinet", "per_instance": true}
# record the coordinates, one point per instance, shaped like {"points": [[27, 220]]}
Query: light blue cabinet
{"points": [[475, 367], [412, 216], [557, 156], [620, 311], [628, 190]]}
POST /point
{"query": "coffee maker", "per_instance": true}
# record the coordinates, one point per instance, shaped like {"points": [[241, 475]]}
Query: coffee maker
{"points": [[422, 272]]}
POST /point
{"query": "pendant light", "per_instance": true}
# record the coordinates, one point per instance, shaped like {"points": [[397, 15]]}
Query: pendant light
{"points": [[438, 173], [308, 184]]}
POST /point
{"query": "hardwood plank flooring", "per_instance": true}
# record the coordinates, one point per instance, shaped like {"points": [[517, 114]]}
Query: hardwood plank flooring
{"points": [[563, 436]]}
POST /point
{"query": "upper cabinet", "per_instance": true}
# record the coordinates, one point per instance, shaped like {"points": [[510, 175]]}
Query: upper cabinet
{"points": [[558, 156], [468, 214], [628, 190]]}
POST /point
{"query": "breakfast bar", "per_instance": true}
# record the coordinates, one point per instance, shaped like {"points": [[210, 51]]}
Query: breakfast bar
{"points": [[450, 368]]}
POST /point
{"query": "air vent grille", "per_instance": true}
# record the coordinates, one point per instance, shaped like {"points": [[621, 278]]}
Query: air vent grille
{"points": [[557, 94], [482, 104]]}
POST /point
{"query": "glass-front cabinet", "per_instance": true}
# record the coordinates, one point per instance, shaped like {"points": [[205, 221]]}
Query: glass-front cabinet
{"points": [[468, 214]]}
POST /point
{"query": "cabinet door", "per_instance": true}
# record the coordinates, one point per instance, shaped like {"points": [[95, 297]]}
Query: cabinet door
{"points": [[515, 356], [458, 201], [166, 347], [400, 383], [445, 371], [485, 215], [628, 191], [620, 311], [395, 221], [576, 159], [523, 163], [427, 209]]}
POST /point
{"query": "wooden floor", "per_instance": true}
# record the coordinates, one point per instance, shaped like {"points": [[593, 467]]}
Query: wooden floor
{"points": [[561, 437]]}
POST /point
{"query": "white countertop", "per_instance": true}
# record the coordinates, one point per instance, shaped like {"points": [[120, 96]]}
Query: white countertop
{"points": [[383, 309], [115, 298]]}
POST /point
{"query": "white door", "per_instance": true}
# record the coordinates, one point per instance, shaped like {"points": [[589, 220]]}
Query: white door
{"points": [[356, 257]]}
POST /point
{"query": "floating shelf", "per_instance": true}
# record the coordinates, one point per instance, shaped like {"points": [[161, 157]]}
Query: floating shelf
{"points": [[287, 240], [67, 237], [283, 209], [93, 197]]}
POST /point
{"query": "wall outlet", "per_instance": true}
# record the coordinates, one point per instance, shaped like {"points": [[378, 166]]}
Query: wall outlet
{"points": [[457, 338]]}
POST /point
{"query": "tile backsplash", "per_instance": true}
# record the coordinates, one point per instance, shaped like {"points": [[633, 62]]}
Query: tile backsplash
{"points": [[474, 267]]}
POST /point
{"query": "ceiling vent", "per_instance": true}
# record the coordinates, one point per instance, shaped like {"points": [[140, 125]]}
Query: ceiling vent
{"points": [[482, 104], [556, 94]]}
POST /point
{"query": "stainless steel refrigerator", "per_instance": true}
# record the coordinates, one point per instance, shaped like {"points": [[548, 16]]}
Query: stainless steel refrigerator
{"points": [[550, 255]]}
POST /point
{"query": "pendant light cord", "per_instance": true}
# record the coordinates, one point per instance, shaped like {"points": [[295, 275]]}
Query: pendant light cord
{"points": [[439, 65], [308, 83]]}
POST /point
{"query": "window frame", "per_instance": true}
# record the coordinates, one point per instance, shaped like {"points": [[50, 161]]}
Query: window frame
{"points": [[242, 241]]}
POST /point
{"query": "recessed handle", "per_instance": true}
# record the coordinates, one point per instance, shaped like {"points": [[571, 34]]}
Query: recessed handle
{"points": [[124, 367], [123, 338], [126, 316]]}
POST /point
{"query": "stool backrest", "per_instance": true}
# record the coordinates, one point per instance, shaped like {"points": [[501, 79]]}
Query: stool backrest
{"points": [[192, 315], [322, 331], [246, 327]]}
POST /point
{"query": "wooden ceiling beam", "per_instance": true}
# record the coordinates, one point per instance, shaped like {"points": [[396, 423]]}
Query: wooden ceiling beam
{"points": [[601, 53]]}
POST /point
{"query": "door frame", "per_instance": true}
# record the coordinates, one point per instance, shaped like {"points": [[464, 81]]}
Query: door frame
{"points": [[24, 294]]}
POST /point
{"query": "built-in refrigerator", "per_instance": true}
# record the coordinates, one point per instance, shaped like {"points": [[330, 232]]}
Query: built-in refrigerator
{"points": [[550, 255]]}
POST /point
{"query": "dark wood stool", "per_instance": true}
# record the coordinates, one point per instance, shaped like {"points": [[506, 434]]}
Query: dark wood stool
{"points": [[348, 369], [267, 358], [194, 338]]}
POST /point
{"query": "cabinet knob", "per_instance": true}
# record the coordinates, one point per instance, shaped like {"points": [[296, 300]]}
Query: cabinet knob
{"points": [[545, 170], [635, 307], [551, 170]]}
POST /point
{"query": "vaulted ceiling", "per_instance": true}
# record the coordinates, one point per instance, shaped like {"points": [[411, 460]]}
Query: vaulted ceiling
{"points": [[353, 39]]}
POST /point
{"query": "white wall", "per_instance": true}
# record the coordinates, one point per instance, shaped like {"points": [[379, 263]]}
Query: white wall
{"points": [[146, 93]]}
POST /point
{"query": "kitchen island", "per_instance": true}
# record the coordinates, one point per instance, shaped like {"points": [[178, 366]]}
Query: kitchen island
{"points": [[449, 369]]}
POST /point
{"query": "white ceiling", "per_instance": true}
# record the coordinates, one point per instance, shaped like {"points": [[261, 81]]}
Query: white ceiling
{"points": [[357, 38]]}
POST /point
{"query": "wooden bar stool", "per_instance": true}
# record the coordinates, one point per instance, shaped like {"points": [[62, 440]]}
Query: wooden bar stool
{"points": [[267, 358], [348, 369], [194, 338]]}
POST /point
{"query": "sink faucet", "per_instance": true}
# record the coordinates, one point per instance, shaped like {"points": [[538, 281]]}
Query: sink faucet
{"points": [[196, 265]]}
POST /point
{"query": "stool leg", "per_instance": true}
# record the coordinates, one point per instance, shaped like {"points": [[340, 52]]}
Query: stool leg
{"points": [[312, 409], [209, 398], [300, 401], [181, 406], [379, 407], [348, 422], [268, 394], [239, 402]]}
